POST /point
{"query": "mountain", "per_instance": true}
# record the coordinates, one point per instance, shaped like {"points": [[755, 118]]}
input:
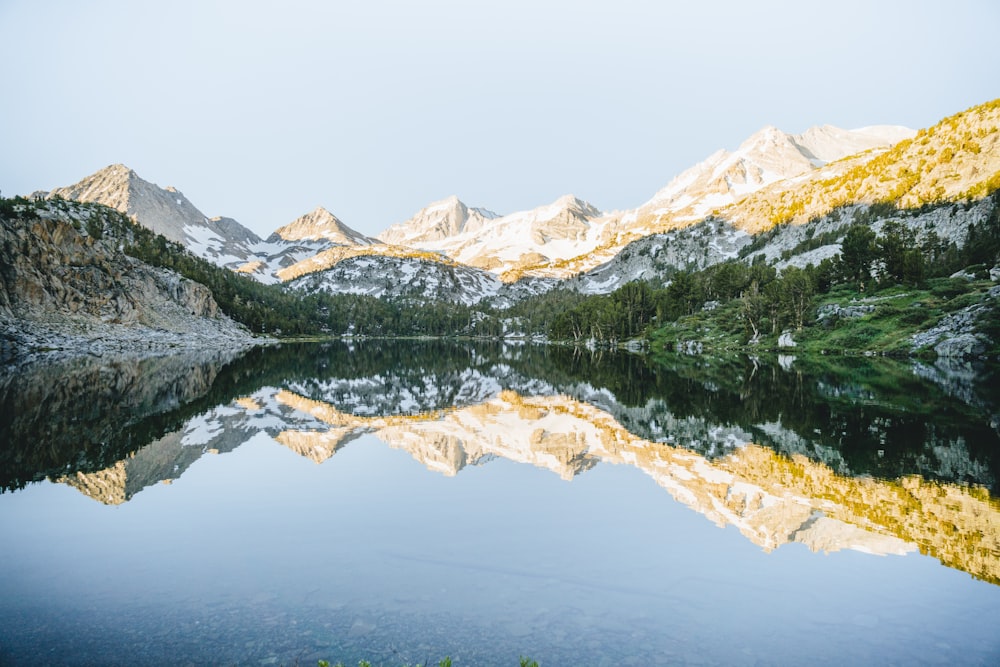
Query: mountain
{"points": [[303, 242], [955, 159], [438, 221], [451, 252], [570, 236], [707, 214], [566, 237], [319, 225], [165, 211], [566, 227], [766, 157]]}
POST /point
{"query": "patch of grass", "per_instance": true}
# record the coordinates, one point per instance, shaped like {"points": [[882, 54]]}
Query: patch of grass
{"points": [[719, 329], [898, 314], [445, 662]]}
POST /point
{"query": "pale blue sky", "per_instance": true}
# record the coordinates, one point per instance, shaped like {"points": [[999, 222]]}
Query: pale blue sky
{"points": [[262, 111]]}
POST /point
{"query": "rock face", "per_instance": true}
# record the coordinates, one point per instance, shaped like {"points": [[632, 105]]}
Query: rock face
{"points": [[962, 346], [653, 258], [834, 311], [61, 286], [955, 337]]}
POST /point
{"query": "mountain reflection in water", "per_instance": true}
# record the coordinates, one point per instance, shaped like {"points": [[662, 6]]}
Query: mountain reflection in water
{"points": [[855, 454]]}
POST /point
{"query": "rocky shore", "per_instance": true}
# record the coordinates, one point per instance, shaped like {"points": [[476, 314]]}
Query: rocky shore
{"points": [[20, 340]]}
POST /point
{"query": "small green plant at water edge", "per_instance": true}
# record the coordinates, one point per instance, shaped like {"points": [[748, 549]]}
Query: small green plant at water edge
{"points": [[446, 662]]}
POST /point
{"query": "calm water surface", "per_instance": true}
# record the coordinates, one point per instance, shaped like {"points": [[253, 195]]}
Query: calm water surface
{"points": [[403, 503]]}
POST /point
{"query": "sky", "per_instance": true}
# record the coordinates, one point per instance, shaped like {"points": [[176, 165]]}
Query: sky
{"points": [[262, 111]]}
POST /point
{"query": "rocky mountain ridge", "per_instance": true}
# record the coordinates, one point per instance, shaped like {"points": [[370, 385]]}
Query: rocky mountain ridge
{"points": [[542, 241]]}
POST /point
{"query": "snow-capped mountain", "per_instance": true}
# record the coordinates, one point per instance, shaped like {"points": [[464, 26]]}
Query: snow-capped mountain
{"points": [[166, 211], [954, 161], [767, 156], [299, 247], [570, 236], [565, 228], [438, 221], [769, 160], [222, 241], [957, 158], [319, 225]]}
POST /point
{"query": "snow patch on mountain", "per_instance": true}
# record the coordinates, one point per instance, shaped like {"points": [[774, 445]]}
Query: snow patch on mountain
{"points": [[402, 277]]}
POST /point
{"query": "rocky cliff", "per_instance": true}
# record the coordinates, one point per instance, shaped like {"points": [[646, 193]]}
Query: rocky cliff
{"points": [[65, 283]]}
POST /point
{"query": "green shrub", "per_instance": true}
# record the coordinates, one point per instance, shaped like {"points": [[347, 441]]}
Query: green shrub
{"points": [[917, 317], [951, 288]]}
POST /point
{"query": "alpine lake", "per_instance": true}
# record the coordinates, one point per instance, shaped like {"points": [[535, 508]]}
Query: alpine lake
{"points": [[399, 502]]}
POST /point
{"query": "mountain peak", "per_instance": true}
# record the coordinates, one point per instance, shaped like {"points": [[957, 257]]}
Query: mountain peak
{"points": [[116, 170], [567, 203], [165, 211], [438, 220], [451, 202], [768, 138], [323, 216], [320, 224], [767, 131], [568, 200]]}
